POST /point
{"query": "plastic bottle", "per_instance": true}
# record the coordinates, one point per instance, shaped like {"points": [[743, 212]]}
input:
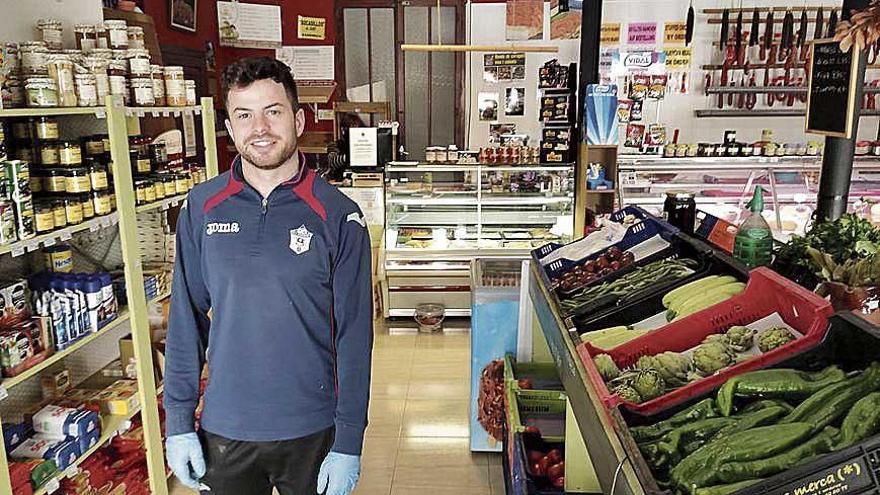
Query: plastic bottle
{"points": [[92, 288], [753, 245]]}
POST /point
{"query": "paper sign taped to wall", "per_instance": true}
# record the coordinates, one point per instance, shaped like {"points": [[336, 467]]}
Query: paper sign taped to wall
{"points": [[610, 33], [674, 33], [678, 58], [642, 33], [311, 28]]}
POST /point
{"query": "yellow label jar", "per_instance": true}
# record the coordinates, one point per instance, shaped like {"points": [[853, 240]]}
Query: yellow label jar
{"points": [[88, 208], [93, 146], [60, 214], [73, 210], [51, 32], [47, 128], [102, 202], [77, 181], [36, 180], [160, 188], [149, 191], [69, 153], [54, 180], [98, 176], [140, 190], [181, 184], [44, 218], [170, 185], [49, 155]]}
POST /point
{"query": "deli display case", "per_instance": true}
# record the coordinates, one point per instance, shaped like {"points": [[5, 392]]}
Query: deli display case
{"points": [[438, 218]]}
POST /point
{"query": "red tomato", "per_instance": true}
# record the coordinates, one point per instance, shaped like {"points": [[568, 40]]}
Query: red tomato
{"points": [[559, 482], [545, 464], [537, 471], [555, 456], [535, 456], [555, 471], [532, 430], [524, 383]]}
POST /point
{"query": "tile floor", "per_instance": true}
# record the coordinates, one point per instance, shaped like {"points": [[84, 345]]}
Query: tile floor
{"points": [[417, 439]]}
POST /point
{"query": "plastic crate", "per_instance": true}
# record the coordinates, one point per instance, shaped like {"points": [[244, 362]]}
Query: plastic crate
{"points": [[542, 409], [681, 246], [543, 251], [851, 343], [523, 481], [716, 263], [766, 293], [542, 375]]}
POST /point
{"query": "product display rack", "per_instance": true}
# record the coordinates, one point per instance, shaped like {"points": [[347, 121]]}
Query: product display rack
{"points": [[481, 219], [121, 122]]}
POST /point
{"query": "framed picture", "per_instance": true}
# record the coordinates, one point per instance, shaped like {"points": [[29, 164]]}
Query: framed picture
{"points": [[182, 14]]}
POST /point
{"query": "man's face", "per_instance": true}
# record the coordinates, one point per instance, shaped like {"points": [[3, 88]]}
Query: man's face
{"points": [[263, 124]]}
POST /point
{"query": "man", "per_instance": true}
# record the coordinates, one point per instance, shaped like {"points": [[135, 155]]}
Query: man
{"points": [[282, 261]]}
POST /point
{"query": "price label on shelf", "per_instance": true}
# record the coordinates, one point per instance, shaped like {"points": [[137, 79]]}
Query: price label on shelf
{"points": [[66, 236], [49, 242], [32, 246], [4, 394], [72, 472], [53, 485], [19, 251]]}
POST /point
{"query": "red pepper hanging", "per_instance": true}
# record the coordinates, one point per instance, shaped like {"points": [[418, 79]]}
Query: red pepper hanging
{"points": [[820, 23], [725, 29], [737, 35], [832, 24], [689, 28], [768, 31], [802, 30], [754, 36]]}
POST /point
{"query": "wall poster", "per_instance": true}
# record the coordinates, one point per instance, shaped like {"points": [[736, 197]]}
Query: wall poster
{"points": [[565, 19], [500, 67], [525, 20], [249, 25]]}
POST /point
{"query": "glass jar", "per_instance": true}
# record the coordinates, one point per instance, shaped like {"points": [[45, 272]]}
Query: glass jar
{"points": [[158, 79], [59, 213], [158, 155], [138, 62], [117, 73], [98, 176], [49, 155], [117, 34], [85, 37], [140, 192], [33, 57], [51, 33], [102, 53], [36, 180], [139, 143], [86, 90], [142, 92], [92, 146], [77, 180], [88, 208], [190, 87], [136, 37], [175, 88], [149, 191], [41, 92], [98, 67], [102, 37], [12, 59], [105, 138], [61, 70], [44, 218], [159, 187], [12, 92], [140, 163], [169, 182], [102, 203], [46, 127], [69, 153], [24, 151], [73, 209], [181, 184], [23, 129], [54, 180]]}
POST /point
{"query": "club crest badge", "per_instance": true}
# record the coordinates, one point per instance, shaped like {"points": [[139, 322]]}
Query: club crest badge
{"points": [[300, 240]]}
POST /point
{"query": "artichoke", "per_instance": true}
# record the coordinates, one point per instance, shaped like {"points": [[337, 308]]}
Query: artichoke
{"points": [[711, 357], [716, 338], [628, 393], [774, 337], [673, 368], [649, 384], [740, 338], [606, 366], [647, 363]]}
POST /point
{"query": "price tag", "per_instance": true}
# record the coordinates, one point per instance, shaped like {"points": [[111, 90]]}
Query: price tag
{"points": [[124, 428], [66, 235], [94, 227], [4, 394], [31, 247], [166, 113], [49, 242], [197, 110], [17, 252], [53, 485], [165, 206], [71, 472], [100, 114]]}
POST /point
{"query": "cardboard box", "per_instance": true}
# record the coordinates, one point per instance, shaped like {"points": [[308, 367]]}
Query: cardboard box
{"points": [[120, 398], [55, 383]]}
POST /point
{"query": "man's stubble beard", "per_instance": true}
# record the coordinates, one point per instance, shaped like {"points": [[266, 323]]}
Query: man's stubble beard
{"points": [[286, 154]]}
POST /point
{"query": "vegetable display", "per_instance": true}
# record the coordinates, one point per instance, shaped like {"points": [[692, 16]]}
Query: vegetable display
{"points": [[699, 295], [610, 261], [740, 437], [641, 278]]}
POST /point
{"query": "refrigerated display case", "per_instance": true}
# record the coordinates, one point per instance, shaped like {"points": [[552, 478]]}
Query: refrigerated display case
{"points": [[724, 185], [440, 217]]}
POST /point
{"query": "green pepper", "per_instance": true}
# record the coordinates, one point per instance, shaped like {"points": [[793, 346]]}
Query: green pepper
{"points": [[862, 421], [751, 420], [784, 383], [703, 409], [761, 404], [725, 489], [833, 401], [822, 443], [699, 469], [703, 429]]}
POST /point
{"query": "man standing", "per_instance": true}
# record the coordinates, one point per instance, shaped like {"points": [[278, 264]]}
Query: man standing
{"points": [[282, 261]]}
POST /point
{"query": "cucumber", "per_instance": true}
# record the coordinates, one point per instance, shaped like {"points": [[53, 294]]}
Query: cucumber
{"points": [[685, 291], [592, 336], [710, 299], [689, 297]]}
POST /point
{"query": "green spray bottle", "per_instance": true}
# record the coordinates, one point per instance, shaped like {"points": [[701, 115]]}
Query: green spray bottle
{"points": [[753, 245]]}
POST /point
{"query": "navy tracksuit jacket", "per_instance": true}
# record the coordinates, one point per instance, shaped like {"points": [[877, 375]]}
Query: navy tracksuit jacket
{"points": [[289, 340]]}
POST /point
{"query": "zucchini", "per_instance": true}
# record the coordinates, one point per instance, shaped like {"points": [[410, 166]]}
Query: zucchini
{"points": [[685, 292], [712, 298]]}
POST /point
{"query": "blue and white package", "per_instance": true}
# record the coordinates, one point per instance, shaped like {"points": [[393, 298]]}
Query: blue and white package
{"points": [[88, 440], [15, 434], [63, 452], [600, 114], [64, 422]]}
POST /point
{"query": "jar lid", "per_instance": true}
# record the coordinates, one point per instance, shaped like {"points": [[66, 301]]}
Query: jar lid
{"points": [[59, 57], [83, 27], [141, 82], [48, 22], [53, 172], [85, 77], [115, 23], [68, 142], [189, 83], [680, 194], [173, 69], [137, 53], [118, 64]]}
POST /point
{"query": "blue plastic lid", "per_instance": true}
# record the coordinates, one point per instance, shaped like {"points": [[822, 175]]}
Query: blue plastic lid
{"points": [[92, 283]]}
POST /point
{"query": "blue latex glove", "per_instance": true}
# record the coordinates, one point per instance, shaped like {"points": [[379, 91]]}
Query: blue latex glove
{"points": [[185, 457], [339, 474]]}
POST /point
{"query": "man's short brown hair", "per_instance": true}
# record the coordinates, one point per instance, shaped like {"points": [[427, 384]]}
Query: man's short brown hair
{"points": [[246, 71]]}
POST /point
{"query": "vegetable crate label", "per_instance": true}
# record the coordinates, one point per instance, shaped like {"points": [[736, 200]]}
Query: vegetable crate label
{"points": [[851, 476]]}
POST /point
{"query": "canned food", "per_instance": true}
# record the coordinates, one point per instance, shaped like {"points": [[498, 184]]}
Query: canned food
{"points": [[58, 259], [54, 180], [44, 218]]}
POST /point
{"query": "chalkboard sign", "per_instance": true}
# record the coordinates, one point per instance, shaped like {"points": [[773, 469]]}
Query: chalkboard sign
{"points": [[831, 97]]}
